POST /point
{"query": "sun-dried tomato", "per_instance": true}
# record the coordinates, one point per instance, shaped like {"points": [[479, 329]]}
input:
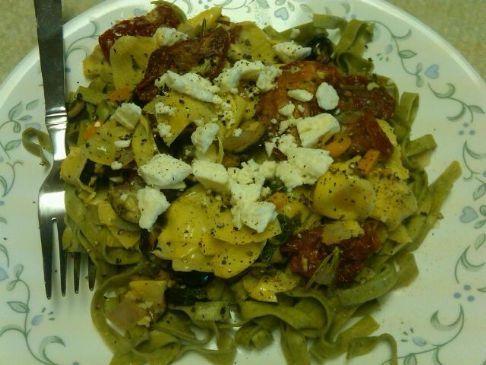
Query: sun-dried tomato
{"points": [[355, 252], [145, 26], [356, 95], [307, 251], [307, 75], [208, 52], [366, 134]]}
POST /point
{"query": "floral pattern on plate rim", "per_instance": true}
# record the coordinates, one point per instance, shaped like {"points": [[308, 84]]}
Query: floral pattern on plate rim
{"points": [[396, 49]]}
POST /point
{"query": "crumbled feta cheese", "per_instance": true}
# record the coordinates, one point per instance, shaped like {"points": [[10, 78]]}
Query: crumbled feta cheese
{"points": [[290, 175], [291, 51], [287, 110], [128, 115], [204, 136], [161, 109], [151, 203], [122, 143], [168, 36], [267, 169], [304, 166], [237, 132], [300, 95], [266, 78], [252, 172], [165, 131], [244, 192], [211, 175], [116, 165], [246, 187], [312, 162], [230, 78], [257, 215], [165, 172], [327, 97], [190, 84], [322, 126], [283, 143]]}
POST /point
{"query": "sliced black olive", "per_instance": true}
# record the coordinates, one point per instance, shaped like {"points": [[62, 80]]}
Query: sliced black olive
{"points": [[87, 173], [193, 278], [322, 48], [184, 296]]}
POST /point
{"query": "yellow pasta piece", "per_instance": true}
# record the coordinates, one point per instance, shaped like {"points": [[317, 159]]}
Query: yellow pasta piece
{"points": [[186, 111], [394, 164], [234, 259], [193, 26], [338, 231], [265, 288], [100, 147], [96, 65], [129, 58], [341, 196], [72, 167], [253, 44], [143, 143], [394, 201]]}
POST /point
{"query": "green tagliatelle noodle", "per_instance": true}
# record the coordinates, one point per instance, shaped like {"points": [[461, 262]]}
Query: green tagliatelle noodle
{"points": [[146, 311]]}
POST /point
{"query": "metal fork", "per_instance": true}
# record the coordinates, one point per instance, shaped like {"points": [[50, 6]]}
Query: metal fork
{"points": [[51, 195]]}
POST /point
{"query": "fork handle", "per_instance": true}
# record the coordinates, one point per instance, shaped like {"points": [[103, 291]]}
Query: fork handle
{"points": [[51, 50]]}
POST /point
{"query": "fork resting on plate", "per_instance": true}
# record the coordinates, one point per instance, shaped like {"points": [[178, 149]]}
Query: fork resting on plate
{"points": [[51, 195]]}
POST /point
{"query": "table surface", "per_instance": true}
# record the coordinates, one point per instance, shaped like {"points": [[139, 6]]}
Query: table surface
{"points": [[462, 23]]}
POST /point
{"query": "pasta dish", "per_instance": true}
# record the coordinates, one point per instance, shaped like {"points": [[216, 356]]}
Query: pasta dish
{"points": [[233, 183]]}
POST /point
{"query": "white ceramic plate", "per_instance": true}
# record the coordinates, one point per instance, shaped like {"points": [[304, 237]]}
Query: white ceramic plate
{"points": [[440, 319]]}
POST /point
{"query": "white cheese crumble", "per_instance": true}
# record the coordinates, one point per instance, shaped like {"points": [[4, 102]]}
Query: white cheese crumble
{"points": [[165, 172], [246, 188], [283, 143], [230, 78], [190, 84], [251, 172], [237, 132], [161, 109], [211, 175], [127, 115], [304, 166], [165, 131], [327, 97], [241, 193], [122, 143], [256, 215], [287, 110], [290, 175], [204, 136], [319, 127], [313, 162], [266, 78], [165, 36], [151, 203], [116, 165], [300, 95], [291, 51]]}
